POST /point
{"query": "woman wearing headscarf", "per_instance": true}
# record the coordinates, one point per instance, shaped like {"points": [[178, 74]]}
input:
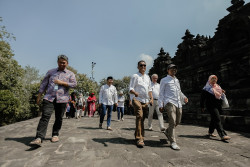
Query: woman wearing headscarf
{"points": [[91, 105], [211, 97]]}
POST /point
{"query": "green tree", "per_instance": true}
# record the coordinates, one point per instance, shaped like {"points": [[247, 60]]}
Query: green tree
{"points": [[84, 83], [31, 82], [31, 75], [11, 86]]}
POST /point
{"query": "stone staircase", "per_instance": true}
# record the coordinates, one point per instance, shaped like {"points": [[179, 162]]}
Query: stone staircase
{"points": [[235, 119]]}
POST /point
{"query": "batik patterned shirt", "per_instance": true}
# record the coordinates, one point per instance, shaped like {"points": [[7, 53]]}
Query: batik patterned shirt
{"points": [[61, 94]]}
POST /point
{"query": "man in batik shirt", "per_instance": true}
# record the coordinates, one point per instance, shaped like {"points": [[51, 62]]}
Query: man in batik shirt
{"points": [[55, 85]]}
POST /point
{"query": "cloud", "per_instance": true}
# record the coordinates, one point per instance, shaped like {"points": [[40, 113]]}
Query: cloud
{"points": [[148, 59]]}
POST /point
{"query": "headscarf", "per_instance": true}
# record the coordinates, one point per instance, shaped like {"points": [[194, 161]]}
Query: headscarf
{"points": [[214, 89]]}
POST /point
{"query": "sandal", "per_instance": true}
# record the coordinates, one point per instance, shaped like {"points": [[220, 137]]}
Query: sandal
{"points": [[225, 138], [140, 143], [212, 135], [54, 139]]}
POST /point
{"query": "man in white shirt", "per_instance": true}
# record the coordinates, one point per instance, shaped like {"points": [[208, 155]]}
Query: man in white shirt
{"points": [[171, 99], [107, 98], [155, 92], [140, 88]]}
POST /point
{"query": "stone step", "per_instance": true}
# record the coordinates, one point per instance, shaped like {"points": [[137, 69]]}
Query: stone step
{"points": [[236, 112], [235, 123], [228, 112]]}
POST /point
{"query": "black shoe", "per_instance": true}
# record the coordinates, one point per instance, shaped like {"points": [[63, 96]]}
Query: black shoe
{"points": [[100, 125]]}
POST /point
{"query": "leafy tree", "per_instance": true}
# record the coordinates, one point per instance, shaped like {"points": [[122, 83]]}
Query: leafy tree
{"points": [[31, 82], [84, 83], [31, 75], [10, 81], [9, 104], [72, 69]]}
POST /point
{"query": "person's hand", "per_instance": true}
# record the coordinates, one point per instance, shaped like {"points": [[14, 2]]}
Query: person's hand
{"points": [[100, 105], [202, 109], [161, 109], [151, 102], [38, 99], [136, 94], [223, 91], [57, 81], [130, 103], [116, 104], [185, 100]]}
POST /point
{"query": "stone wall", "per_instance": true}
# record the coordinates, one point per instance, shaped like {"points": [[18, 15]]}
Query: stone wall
{"points": [[227, 55]]}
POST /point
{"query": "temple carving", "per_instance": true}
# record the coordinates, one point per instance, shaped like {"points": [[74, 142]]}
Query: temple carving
{"points": [[227, 55]]}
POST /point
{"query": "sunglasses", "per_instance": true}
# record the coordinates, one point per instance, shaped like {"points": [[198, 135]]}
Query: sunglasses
{"points": [[142, 65]]}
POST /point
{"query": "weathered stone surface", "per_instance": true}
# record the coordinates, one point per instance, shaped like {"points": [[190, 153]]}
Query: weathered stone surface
{"points": [[226, 54], [83, 144]]}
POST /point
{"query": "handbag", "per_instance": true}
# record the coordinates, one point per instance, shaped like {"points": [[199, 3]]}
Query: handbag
{"points": [[225, 103]]}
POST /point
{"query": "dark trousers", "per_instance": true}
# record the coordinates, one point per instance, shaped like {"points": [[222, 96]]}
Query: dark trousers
{"points": [[47, 110], [72, 111], [216, 122]]}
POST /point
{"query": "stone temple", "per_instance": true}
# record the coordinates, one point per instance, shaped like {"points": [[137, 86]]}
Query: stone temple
{"points": [[227, 55]]}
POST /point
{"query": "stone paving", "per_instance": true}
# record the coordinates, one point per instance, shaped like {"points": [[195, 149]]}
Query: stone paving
{"points": [[82, 143]]}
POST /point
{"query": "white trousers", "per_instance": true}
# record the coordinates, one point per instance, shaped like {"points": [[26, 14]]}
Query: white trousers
{"points": [[78, 113], [152, 108]]}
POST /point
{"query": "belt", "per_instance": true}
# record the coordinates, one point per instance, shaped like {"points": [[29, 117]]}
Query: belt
{"points": [[155, 99]]}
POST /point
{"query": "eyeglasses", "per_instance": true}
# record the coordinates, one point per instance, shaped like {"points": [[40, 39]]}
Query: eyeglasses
{"points": [[142, 65]]}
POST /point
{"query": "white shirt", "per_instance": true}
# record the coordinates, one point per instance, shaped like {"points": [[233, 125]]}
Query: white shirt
{"points": [[121, 100], [142, 85], [170, 92], [108, 95], [155, 90]]}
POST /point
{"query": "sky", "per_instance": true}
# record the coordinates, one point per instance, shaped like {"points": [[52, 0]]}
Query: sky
{"points": [[115, 34]]}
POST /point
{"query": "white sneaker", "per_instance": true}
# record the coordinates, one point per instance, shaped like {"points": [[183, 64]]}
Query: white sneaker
{"points": [[118, 120], [150, 128], [122, 119], [174, 146]]}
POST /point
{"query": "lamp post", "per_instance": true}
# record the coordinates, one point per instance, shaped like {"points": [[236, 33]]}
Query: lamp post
{"points": [[92, 71]]}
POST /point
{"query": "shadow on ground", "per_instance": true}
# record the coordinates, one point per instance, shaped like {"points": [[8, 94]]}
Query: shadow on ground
{"points": [[133, 129], [202, 137], [84, 127], [120, 140], [25, 141]]}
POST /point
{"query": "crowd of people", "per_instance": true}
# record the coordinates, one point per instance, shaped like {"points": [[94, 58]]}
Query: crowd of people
{"points": [[146, 97], [79, 105]]}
